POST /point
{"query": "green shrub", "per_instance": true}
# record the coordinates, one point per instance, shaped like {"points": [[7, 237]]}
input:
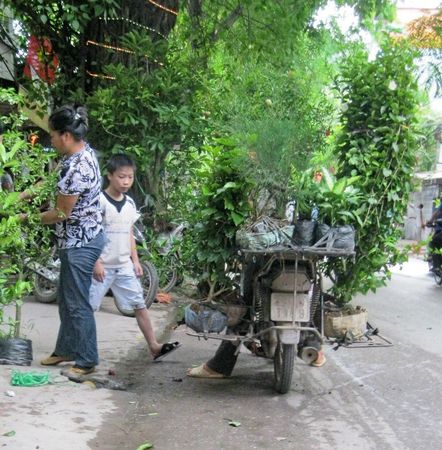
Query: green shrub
{"points": [[377, 144], [18, 240], [219, 196]]}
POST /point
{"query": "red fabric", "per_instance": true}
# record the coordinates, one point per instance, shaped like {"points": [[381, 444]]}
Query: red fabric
{"points": [[42, 59]]}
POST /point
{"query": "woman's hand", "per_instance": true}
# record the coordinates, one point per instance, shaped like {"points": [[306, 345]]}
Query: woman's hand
{"points": [[98, 273], [24, 196]]}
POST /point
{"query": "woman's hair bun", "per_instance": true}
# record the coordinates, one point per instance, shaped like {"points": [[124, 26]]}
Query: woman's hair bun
{"points": [[72, 119]]}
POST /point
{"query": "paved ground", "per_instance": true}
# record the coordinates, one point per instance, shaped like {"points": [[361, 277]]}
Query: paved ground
{"points": [[67, 415], [384, 398]]}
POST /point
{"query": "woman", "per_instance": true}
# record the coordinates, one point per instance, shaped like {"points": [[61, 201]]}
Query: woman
{"points": [[77, 216]]}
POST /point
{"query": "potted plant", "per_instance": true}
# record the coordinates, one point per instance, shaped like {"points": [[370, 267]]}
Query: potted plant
{"points": [[337, 202], [24, 163], [303, 192], [215, 213]]}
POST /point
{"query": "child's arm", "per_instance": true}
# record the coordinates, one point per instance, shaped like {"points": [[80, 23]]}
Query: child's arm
{"points": [[134, 255], [98, 273]]}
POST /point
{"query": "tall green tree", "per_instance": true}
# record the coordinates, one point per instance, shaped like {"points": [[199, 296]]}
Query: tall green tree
{"points": [[377, 144]]}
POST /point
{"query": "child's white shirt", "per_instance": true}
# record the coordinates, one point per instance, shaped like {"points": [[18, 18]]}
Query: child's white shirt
{"points": [[117, 226]]}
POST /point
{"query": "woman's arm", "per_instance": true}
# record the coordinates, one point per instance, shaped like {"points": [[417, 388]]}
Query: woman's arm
{"points": [[64, 206]]}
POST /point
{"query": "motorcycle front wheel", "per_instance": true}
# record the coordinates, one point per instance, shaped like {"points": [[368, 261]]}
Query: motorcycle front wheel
{"points": [[149, 281], [283, 363], [44, 290]]}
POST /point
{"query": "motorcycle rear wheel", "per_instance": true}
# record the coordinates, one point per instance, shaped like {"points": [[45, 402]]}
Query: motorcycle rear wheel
{"points": [[149, 281], [283, 363], [168, 279], [44, 290]]}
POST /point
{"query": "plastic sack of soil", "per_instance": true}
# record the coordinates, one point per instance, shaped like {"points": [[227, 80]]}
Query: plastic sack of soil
{"points": [[344, 237], [204, 319], [15, 351], [304, 234], [286, 234], [341, 237], [322, 230], [257, 241]]}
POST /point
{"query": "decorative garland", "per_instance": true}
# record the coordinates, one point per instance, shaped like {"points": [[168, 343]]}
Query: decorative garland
{"points": [[134, 23]]}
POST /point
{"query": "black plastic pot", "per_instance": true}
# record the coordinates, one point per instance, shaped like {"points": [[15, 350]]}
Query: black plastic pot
{"points": [[304, 233], [344, 237], [16, 351]]}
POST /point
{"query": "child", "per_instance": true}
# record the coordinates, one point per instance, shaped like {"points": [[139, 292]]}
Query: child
{"points": [[118, 267]]}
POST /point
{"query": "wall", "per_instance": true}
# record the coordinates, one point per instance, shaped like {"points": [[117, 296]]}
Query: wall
{"points": [[412, 227]]}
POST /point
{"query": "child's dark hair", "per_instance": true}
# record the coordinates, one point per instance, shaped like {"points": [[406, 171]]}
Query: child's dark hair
{"points": [[118, 161], [72, 119]]}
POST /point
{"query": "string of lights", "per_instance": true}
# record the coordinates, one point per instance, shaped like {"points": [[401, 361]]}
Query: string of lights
{"points": [[99, 75], [171, 11], [117, 49], [125, 19], [109, 47]]}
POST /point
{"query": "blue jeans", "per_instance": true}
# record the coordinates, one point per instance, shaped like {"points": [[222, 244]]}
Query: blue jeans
{"points": [[77, 336]]}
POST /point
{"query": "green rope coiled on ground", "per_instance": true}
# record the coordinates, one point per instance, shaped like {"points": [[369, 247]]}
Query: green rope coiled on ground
{"points": [[29, 379]]}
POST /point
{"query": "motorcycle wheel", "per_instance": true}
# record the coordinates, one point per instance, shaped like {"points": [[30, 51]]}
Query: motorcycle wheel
{"points": [[44, 290], [168, 280], [283, 366], [149, 281], [437, 274], [269, 339]]}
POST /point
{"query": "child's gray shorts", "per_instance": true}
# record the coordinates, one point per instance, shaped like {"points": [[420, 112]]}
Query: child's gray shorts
{"points": [[125, 285]]}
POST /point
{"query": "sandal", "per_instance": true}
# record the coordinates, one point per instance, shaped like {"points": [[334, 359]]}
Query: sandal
{"points": [[166, 349], [54, 359], [202, 372], [319, 361]]}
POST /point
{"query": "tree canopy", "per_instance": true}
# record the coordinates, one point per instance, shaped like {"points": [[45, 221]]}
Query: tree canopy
{"points": [[197, 91]]}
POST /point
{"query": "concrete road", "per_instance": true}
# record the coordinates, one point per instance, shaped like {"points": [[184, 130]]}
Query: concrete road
{"points": [[64, 415], [363, 398]]}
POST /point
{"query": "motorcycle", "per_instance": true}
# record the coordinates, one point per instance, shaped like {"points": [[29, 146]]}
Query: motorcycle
{"points": [[435, 269], [45, 277], [163, 253], [282, 288]]}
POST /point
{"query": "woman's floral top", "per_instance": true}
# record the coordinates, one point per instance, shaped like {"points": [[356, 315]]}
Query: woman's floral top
{"points": [[80, 175]]}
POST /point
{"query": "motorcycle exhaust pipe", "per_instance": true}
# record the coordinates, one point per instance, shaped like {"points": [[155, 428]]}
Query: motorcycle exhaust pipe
{"points": [[309, 354]]}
